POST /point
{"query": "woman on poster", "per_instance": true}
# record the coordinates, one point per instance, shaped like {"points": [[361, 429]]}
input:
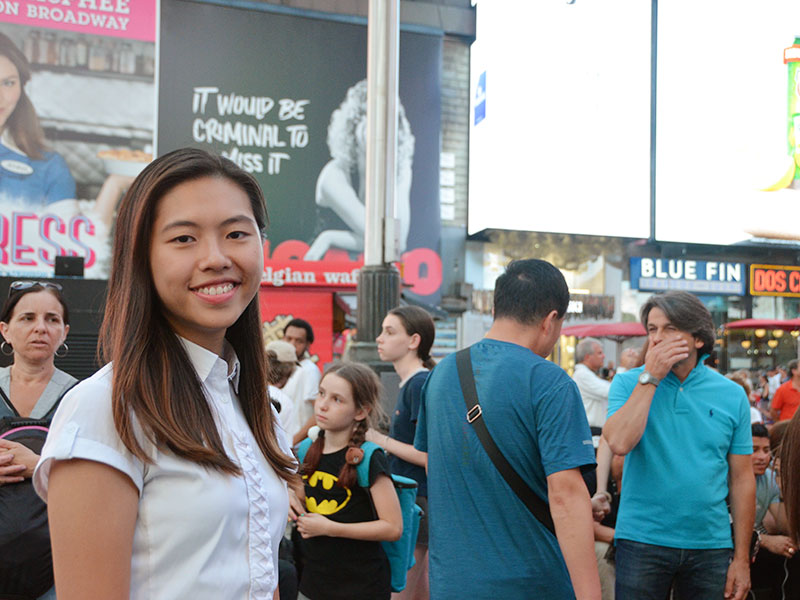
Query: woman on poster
{"points": [[341, 184], [30, 175]]}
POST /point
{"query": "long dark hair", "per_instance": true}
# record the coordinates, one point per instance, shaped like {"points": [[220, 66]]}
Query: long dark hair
{"points": [[153, 376], [23, 124], [417, 320], [790, 474], [366, 390]]}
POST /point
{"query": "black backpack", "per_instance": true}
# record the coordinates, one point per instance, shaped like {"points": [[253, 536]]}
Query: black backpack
{"points": [[26, 561]]}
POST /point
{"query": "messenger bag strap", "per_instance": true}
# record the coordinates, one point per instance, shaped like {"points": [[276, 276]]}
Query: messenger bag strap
{"points": [[537, 507]]}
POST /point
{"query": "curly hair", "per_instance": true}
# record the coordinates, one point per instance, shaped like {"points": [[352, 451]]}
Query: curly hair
{"points": [[347, 131]]}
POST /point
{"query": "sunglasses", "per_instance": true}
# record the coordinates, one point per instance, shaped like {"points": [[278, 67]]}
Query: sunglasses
{"points": [[18, 286]]}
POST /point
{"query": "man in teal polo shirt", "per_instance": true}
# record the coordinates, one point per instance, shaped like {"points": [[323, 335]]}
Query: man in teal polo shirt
{"points": [[685, 431]]}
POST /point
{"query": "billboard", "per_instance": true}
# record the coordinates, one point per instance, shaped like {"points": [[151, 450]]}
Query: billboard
{"points": [[560, 117], [289, 106], [728, 152], [78, 126]]}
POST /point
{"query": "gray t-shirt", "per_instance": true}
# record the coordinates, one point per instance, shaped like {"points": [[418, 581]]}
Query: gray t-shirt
{"points": [[767, 493], [59, 383]]}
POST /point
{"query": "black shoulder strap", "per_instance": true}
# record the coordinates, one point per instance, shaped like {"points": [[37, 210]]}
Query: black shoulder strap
{"points": [[538, 507], [7, 401]]}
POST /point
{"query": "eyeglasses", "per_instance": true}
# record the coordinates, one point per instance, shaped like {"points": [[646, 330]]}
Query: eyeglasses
{"points": [[17, 286]]}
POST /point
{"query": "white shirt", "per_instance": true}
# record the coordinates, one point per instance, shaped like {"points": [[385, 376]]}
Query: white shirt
{"points": [[303, 387], [199, 534], [774, 383], [594, 392], [288, 414]]}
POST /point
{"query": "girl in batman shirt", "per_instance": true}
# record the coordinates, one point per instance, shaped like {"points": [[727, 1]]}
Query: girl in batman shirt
{"points": [[340, 529]]}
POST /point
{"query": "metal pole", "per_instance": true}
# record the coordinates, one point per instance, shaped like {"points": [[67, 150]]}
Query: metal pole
{"points": [[379, 282], [653, 98], [382, 54]]}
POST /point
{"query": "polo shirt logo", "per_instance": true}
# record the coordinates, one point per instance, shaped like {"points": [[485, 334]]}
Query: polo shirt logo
{"points": [[710, 412]]}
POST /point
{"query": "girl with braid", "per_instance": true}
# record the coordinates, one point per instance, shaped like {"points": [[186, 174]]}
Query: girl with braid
{"points": [[341, 523]]}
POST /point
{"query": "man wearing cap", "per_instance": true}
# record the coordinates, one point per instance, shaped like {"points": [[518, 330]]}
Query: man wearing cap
{"points": [[685, 432], [282, 363]]}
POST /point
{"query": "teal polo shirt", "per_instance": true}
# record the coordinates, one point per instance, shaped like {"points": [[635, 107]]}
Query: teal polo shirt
{"points": [[675, 481]]}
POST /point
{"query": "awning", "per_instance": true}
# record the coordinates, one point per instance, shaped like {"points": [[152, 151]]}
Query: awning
{"points": [[785, 324]]}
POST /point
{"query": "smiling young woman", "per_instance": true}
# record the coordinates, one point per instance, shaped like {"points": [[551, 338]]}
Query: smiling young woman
{"points": [[167, 466]]}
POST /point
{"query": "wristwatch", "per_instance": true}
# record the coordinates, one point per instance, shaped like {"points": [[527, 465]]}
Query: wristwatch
{"points": [[646, 378]]}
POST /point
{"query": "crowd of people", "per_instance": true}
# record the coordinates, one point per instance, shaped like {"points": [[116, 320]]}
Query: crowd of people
{"points": [[201, 463]]}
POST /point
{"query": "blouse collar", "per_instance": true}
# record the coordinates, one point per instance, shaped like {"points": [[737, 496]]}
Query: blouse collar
{"points": [[204, 361]]}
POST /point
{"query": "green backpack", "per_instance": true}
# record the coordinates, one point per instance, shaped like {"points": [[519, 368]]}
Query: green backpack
{"points": [[399, 552]]}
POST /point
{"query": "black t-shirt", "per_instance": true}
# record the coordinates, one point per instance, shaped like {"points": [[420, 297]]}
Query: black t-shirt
{"points": [[404, 428], [343, 568]]}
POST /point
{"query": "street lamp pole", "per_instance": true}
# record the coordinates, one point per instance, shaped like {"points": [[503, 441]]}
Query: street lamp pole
{"points": [[379, 282]]}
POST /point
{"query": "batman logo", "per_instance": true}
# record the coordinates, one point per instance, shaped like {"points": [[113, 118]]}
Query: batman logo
{"points": [[323, 496]]}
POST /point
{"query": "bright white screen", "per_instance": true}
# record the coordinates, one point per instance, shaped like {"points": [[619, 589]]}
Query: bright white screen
{"points": [[722, 121], [564, 146]]}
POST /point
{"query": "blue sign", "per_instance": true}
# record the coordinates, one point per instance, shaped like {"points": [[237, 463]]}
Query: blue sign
{"points": [[480, 99], [697, 276]]}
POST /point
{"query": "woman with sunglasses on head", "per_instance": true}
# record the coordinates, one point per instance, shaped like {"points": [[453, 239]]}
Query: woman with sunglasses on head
{"points": [[166, 472], [34, 323]]}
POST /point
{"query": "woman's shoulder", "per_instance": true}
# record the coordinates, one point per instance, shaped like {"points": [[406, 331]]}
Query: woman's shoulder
{"points": [[84, 428], [88, 402], [63, 378]]}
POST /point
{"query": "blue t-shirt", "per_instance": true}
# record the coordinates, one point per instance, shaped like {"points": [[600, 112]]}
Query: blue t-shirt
{"points": [[675, 481], [32, 182], [483, 541], [404, 427]]}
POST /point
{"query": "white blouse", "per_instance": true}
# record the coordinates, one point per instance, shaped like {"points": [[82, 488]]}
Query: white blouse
{"points": [[199, 533]]}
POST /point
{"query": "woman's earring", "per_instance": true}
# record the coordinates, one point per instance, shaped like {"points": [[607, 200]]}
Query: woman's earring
{"points": [[65, 352], [6, 348]]}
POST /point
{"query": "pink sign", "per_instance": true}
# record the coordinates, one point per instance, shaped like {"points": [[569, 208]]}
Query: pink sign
{"points": [[130, 19]]}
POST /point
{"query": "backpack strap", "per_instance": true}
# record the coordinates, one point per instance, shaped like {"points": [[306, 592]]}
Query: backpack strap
{"points": [[6, 405], [302, 449], [362, 468]]}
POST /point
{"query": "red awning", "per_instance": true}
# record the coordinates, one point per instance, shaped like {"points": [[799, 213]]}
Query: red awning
{"points": [[609, 330], [785, 324]]}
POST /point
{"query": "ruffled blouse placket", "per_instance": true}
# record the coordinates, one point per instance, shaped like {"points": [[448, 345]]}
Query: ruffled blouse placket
{"points": [[262, 571]]}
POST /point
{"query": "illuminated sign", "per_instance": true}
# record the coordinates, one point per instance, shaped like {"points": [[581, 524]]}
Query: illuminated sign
{"points": [[774, 280], [697, 276]]}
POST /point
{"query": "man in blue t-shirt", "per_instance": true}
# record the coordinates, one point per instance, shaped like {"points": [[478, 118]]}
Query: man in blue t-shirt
{"points": [[685, 432], [484, 543]]}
